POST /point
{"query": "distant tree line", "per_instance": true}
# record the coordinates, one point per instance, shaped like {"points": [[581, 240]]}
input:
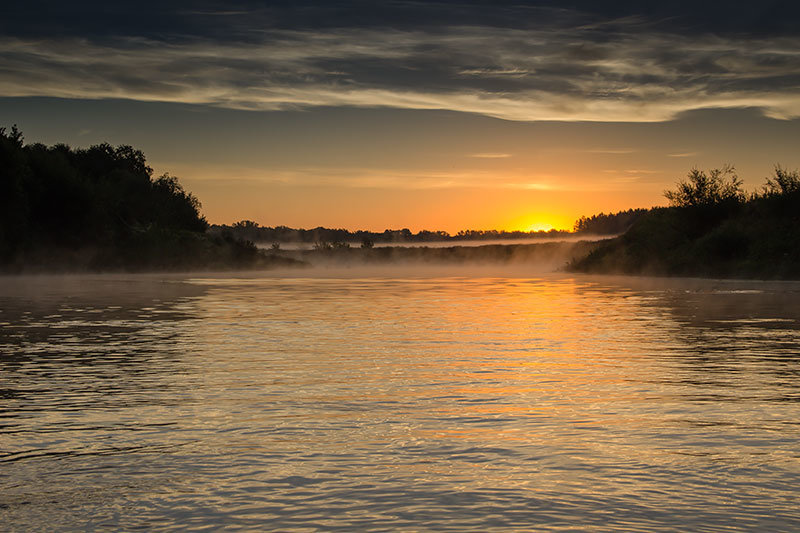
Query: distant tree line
{"points": [[601, 224], [252, 231], [100, 208], [712, 227], [608, 224]]}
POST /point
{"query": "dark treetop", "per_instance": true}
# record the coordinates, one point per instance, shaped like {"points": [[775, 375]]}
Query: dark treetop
{"points": [[712, 228], [101, 208]]}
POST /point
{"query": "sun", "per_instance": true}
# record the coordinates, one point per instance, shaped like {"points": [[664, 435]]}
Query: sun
{"points": [[540, 221], [539, 226]]}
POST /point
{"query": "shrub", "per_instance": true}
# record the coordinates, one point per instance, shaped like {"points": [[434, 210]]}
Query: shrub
{"points": [[701, 189]]}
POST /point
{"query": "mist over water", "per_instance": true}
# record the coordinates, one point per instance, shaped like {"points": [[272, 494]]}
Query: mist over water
{"points": [[505, 260], [387, 398], [448, 244]]}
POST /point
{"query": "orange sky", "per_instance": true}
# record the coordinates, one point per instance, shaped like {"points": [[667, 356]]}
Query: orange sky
{"points": [[453, 172], [423, 115], [378, 168]]}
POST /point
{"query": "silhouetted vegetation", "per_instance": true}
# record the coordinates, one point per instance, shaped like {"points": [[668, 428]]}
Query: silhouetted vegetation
{"points": [[249, 230], [719, 187], [602, 224], [610, 224], [100, 208], [712, 228]]}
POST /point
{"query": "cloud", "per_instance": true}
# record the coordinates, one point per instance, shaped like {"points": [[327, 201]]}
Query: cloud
{"points": [[532, 186], [490, 155], [683, 154], [632, 176], [376, 178], [589, 73], [611, 152]]}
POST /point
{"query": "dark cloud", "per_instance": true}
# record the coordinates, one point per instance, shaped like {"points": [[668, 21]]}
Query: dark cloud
{"points": [[238, 19], [625, 61]]}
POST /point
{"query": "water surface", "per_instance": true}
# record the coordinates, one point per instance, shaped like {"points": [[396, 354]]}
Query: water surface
{"points": [[442, 402]]}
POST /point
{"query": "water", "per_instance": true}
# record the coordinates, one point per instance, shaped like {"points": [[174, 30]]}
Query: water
{"points": [[388, 403]]}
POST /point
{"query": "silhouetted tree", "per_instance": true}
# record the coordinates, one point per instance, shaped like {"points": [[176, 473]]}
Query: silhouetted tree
{"points": [[719, 185], [608, 224], [712, 229], [784, 182], [100, 207]]}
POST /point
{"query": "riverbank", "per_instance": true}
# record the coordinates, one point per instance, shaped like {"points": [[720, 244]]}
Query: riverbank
{"points": [[754, 239]]}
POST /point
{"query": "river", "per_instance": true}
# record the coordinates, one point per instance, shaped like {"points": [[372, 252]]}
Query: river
{"points": [[416, 401]]}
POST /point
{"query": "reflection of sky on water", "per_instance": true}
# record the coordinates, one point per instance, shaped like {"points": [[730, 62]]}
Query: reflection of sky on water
{"points": [[433, 403]]}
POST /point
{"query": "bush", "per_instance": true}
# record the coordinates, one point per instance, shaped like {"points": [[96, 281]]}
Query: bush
{"points": [[720, 185], [785, 182]]}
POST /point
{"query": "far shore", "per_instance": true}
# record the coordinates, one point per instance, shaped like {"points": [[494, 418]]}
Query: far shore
{"points": [[568, 237]]}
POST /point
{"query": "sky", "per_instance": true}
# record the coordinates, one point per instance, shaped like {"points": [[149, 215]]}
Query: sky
{"points": [[408, 114]]}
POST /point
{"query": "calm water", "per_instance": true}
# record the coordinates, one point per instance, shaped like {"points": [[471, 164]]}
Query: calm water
{"points": [[389, 403]]}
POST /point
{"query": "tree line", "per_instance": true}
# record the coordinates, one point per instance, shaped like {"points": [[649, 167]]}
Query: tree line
{"points": [[600, 224], [608, 224], [712, 227], [252, 231], [100, 208]]}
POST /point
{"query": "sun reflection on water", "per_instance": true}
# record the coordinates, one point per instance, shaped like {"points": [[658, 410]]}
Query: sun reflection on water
{"points": [[357, 403]]}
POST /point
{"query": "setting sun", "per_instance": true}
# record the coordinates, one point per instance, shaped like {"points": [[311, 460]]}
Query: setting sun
{"points": [[541, 221], [540, 226]]}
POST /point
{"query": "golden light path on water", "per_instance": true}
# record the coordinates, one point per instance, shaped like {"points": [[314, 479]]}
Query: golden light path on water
{"points": [[414, 400]]}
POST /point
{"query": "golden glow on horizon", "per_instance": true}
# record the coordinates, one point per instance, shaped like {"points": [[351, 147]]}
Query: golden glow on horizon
{"points": [[228, 200], [541, 221], [473, 194], [424, 174], [540, 226]]}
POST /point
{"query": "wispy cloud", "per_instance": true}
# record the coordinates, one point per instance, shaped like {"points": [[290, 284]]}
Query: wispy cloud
{"points": [[531, 186], [625, 179], [610, 152], [516, 74], [490, 155], [631, 176], [683, 154], [378, 178]]}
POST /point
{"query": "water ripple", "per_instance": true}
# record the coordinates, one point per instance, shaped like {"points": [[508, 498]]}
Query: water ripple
{"points": [[375, 404]]}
